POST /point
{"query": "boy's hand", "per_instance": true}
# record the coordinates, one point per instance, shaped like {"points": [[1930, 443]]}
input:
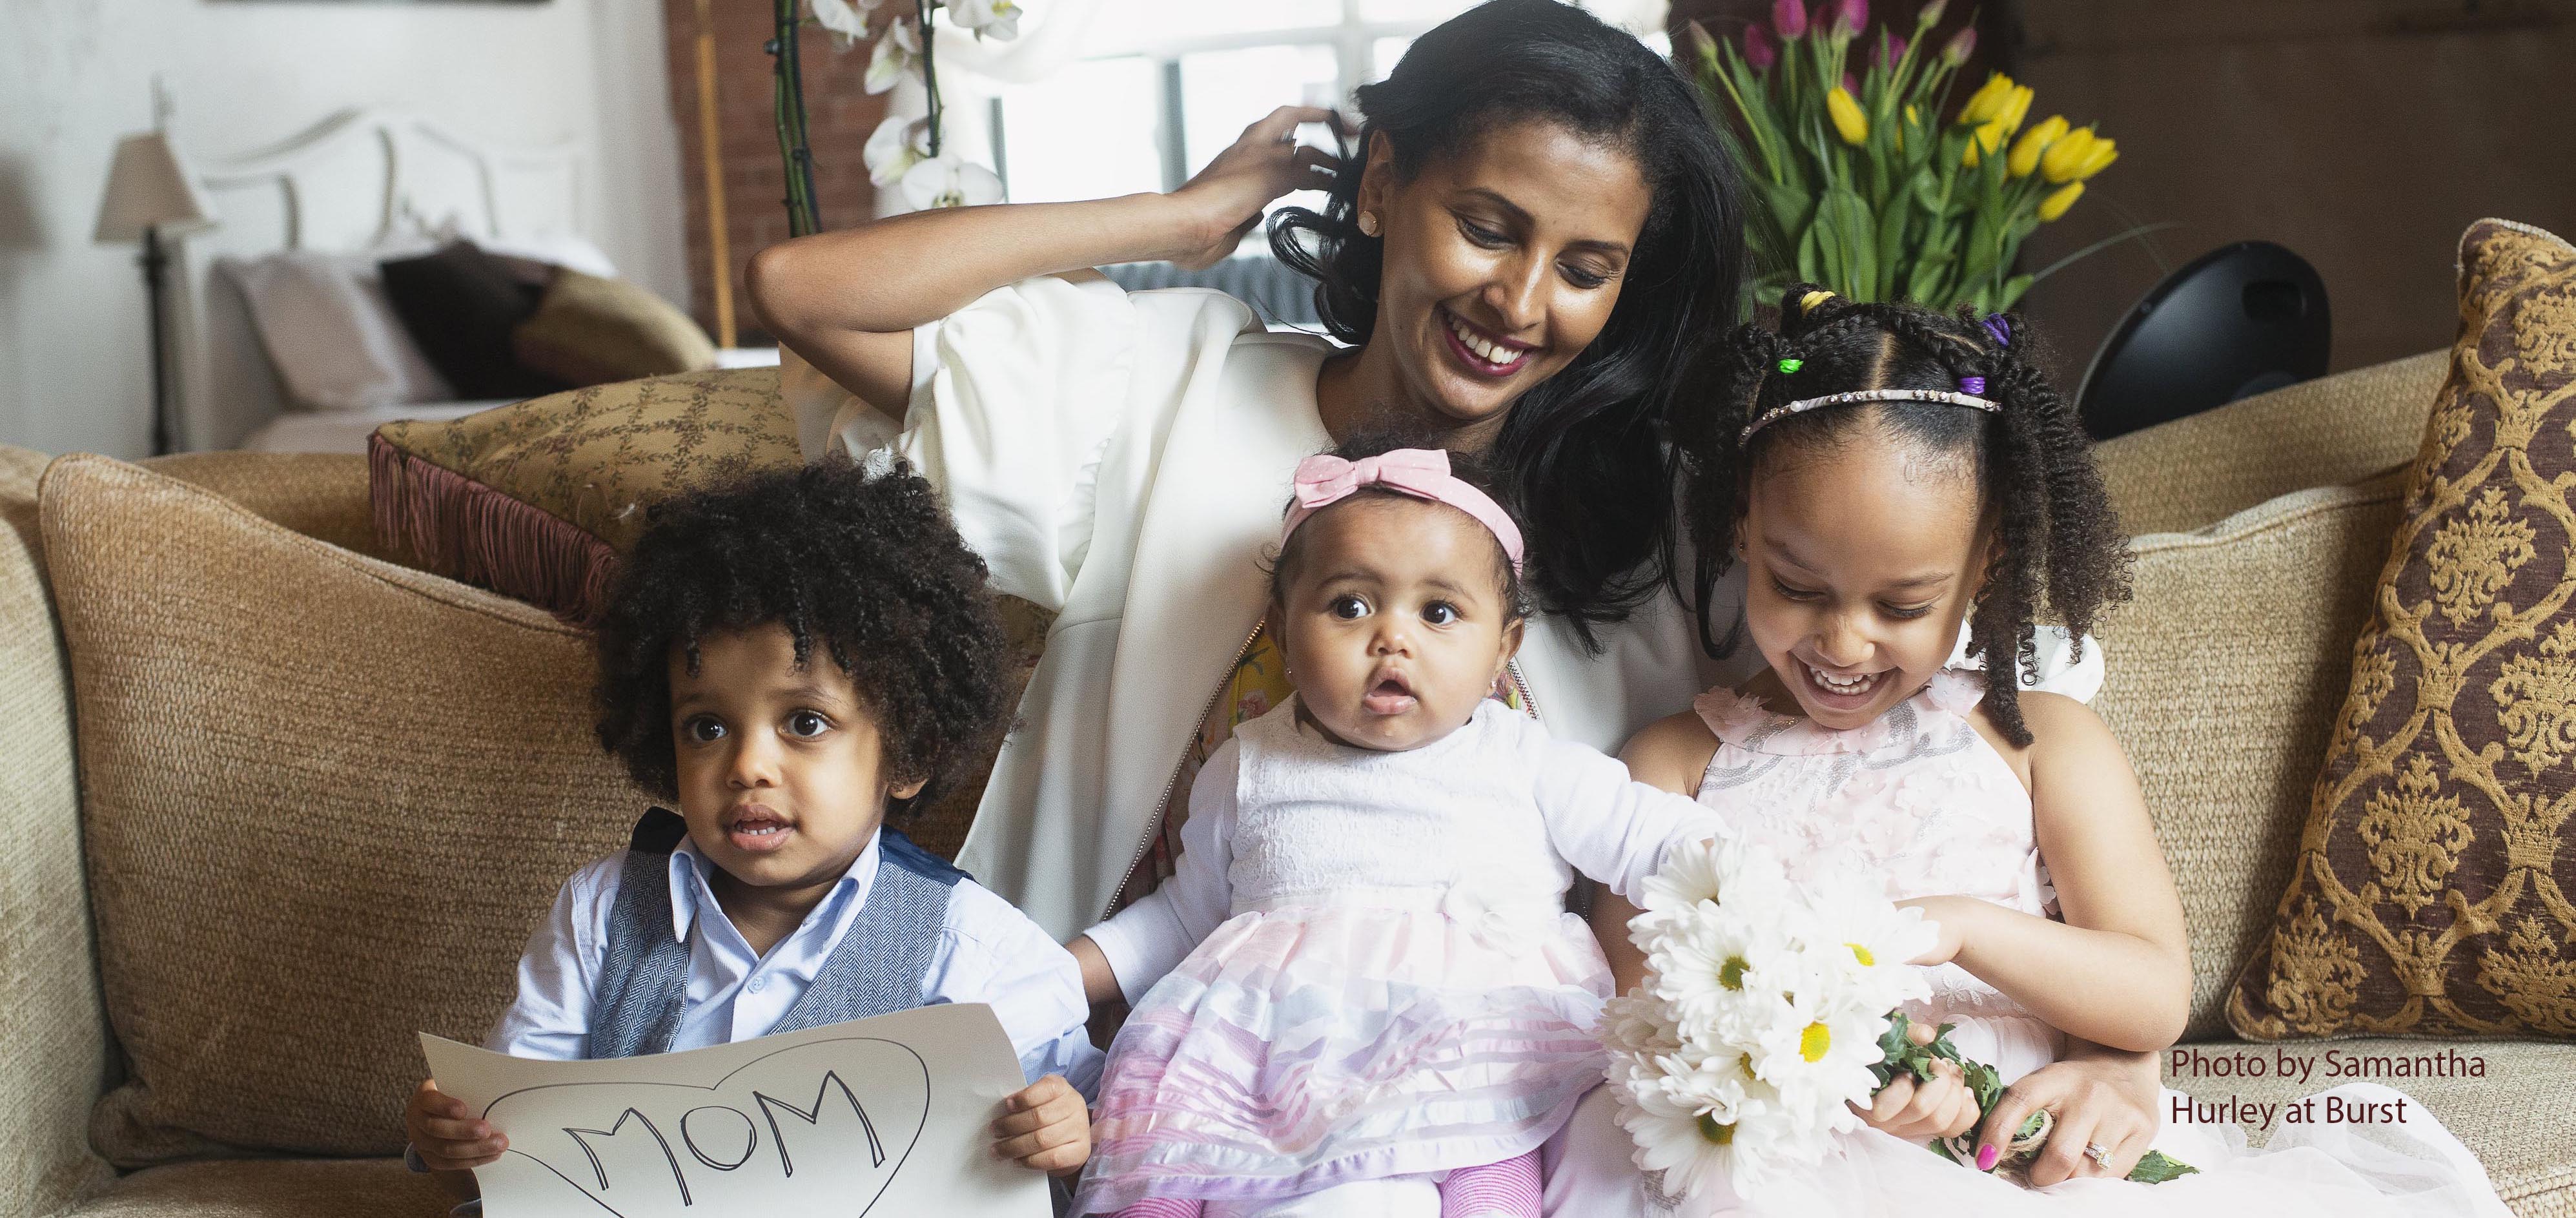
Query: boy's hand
{"points": [[1045, 1127], [446, 1133]]}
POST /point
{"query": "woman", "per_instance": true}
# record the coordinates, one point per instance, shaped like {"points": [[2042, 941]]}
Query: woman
{"points": [[1537, 223]]}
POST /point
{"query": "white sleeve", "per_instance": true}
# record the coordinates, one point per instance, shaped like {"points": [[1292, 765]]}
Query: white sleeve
{"points": [[995, 955], [1610, 826], [1014, 401], [1152, 936], [550, 1018], [2059, 671]]}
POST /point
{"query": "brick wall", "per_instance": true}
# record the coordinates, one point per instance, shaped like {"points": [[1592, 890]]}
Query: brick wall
{"points": [[839, 116]]}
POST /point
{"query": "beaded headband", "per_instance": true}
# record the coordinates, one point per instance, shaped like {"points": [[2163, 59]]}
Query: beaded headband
{"points": [[1803, 405]]}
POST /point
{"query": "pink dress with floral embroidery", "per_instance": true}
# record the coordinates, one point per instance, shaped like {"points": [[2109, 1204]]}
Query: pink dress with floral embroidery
{"points": [[1919, 797]]}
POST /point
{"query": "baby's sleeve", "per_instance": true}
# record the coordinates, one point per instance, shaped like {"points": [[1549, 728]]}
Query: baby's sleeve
{"points": [[997, 956], [1152, 936], [1608, 825], [559, 970], [1014, 400]]}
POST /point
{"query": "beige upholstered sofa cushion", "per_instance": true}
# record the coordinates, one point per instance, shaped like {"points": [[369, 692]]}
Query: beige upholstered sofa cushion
{"points": [[53, 1044], [2328, 432], [326, 800], [2223, 679], [321, 495]]}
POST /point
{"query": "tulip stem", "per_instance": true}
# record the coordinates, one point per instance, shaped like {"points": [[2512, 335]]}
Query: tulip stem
{"points": [[2103, 244]]}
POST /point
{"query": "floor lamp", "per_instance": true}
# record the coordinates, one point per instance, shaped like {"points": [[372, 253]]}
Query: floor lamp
{"points": [[149, 196]]}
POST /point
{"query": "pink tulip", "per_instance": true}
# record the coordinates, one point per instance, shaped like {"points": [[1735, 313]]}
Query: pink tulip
{"points": [[1889, 49], [1851, 84], [1849, 17], [1960, 46], [1758, 49], [1789, 17]]}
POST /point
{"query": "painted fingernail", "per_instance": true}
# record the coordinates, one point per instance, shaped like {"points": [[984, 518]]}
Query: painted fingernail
{"points": [[1986, 1156]]}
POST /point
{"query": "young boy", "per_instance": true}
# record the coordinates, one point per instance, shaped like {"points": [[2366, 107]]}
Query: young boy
{"points": [[786, 660]]}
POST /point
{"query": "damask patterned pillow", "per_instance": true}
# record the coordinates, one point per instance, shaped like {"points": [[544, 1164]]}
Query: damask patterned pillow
{"points": [[2433, 886]]}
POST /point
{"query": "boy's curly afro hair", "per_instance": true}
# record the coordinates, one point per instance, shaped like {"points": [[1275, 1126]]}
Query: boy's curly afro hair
{"points": [[868, 570]]}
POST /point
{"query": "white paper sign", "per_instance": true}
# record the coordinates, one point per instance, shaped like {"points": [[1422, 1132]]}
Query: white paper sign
{"points": [[885, 1116]]}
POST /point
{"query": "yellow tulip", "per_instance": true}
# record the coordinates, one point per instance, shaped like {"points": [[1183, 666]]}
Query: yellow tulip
{"points": [[2059, 200], [1848, 120], [2015, 107], [2026, 150], [2078, 156], [1981, 141], [1988, 101]]}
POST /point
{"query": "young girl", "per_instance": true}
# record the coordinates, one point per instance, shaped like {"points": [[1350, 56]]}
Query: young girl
{"points": [[1883, 472], [1382, 988]]}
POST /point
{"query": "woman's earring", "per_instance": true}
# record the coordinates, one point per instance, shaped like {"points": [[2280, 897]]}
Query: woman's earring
{"points": [[1368, 224]]}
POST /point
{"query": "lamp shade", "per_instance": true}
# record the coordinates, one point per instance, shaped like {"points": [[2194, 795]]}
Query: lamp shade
{"points": [[148, 188]]}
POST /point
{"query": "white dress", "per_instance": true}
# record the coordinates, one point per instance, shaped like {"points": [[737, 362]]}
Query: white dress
{"points": [[1123, 460], [1395, 988], [1920, 798]]}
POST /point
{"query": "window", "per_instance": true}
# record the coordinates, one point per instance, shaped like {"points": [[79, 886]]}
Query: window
{"points": [[1165, 85]]}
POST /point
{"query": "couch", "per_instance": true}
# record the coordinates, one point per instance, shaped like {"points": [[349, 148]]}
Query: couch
{"points": [[274, 802]]}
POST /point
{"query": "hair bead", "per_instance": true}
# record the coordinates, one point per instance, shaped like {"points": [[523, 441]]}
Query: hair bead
{"points": [[1788, 366], [1808, 302], [1972, 384]]}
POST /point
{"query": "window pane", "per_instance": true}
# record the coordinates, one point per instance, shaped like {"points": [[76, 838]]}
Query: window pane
{"points": [[1127, 25], [1086, 132], [1383, 54], [1222, 92], [1428, 11]]}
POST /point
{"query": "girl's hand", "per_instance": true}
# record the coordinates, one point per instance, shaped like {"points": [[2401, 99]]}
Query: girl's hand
{"points": [[446, 1133], [1941, 1108], [2108, 1100], [1045, 1128], [1225, 200], [1951, 916]]}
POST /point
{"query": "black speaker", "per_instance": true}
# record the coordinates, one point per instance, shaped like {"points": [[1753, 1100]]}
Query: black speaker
{"points": [[2239, 320]]}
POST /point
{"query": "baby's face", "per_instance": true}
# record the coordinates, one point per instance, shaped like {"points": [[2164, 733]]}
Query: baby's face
{"points": [[1861, 560], [1393, 621], [780, 766]]}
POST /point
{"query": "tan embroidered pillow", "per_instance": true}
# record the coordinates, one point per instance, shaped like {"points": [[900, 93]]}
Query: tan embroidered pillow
{"points": [[537, 500], [2431, 894]]}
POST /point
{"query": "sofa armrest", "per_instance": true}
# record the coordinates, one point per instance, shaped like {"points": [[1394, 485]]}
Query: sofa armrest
{"points": [[2184, 475], [52, 1022]]}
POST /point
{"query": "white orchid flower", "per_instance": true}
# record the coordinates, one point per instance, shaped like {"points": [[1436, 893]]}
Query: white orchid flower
{"points": [[999, 19], [895, 55], [898, 144], [847, 25], [949, 180]]}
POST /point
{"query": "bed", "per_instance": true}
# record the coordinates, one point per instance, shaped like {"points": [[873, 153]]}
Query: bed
{"points": [[316, 213]]}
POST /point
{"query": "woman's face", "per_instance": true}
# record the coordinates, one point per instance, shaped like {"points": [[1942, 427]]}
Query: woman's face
{"points": [[1502, 262]]}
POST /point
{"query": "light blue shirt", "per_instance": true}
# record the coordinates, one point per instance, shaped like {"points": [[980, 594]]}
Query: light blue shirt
{"points": [[988, 952]]}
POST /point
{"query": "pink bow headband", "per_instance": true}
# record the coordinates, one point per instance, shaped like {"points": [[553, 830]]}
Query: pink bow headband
{"points": [[1422, 473]]}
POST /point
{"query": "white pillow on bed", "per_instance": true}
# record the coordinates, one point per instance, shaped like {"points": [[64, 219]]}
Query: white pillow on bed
{"points": [[331, 333]]}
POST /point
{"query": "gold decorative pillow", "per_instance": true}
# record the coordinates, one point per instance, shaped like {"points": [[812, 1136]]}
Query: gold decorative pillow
{"points": [[2432, 890], [537, 500], [588, 330]]}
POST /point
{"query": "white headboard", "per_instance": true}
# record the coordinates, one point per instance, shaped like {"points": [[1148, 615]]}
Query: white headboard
{"points": [[358, 179]]}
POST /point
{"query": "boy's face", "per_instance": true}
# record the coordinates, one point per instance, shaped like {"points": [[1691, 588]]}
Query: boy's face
{"points": [[780, 767]]}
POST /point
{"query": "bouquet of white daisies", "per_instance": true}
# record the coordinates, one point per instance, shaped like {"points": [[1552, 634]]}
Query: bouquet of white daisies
{"points": [[1768, 1011]]}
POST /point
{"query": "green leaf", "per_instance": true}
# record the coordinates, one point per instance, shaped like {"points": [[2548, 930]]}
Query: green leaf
{"points": [[2011, 293], [1810, 260], [1891, 248], [2159, 1167], [1850, 244]]}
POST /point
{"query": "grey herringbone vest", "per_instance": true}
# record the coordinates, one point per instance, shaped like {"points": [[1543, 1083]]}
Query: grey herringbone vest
{"points": [[876, 968]]}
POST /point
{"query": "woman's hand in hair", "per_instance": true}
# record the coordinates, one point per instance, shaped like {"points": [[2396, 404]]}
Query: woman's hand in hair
{"points": [[1226, 198]]}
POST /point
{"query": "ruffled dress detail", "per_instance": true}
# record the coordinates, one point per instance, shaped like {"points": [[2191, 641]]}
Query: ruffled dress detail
{"points": [[1399, 992], [1920, 797]]}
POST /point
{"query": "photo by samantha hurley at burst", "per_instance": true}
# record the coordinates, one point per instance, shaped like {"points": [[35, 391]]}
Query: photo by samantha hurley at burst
{"points": [[2299, 1066]]}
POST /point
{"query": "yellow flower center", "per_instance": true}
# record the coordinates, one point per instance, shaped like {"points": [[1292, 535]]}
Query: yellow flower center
{"points": [[1715, 1130], [1813, 1042], [1731, 973], [1862, 954]]}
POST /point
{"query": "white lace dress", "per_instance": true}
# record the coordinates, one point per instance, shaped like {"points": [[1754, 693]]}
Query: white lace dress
{"points": [[1921, 798]]}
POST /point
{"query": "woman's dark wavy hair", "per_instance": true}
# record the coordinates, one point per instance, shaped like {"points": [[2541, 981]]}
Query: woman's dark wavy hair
{"points": [[867, 570], [1584, 452], [2059, 542]]}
